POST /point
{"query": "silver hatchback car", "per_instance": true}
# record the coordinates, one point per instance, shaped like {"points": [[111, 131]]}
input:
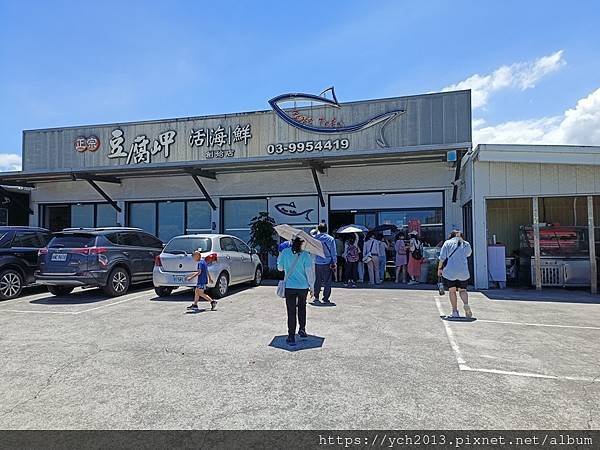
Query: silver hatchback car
{"points": [[230, 261]]}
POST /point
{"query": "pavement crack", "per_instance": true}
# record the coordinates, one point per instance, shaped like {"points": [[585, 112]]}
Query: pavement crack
{"points": [[49, 379]]}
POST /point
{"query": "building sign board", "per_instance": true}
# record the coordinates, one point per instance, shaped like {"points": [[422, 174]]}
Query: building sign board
{"points": [[319, 126]]}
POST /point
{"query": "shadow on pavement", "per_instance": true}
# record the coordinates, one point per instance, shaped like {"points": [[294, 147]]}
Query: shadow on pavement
{"points": [[187, 294], [545, 295], [322, 304], [458, 319], [92, 295], [301, 343]]}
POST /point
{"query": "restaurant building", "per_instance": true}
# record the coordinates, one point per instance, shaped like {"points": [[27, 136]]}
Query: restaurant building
{"points": [[307, 159]]}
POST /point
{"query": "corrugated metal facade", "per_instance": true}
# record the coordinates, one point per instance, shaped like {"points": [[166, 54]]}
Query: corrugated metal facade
{"points": [[442, 119]]}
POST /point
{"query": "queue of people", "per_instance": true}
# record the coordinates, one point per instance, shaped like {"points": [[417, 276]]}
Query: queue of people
{"points": [[306, 273]]}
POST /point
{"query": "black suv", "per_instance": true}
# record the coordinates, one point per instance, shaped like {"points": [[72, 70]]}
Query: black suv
{"points": [[110, 258], [19, 258]]}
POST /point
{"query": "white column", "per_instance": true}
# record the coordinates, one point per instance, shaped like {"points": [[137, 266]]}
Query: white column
{"points": [[536, 245], [592, 245]]}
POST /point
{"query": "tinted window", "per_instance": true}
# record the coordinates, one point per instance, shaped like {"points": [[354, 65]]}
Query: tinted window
{"points": [[45, 238], [227, 245], [27, 239], [242, 247], [130, 238], [5, 240], [113, 238], [188, 245], [150, 241], [78, 240]]}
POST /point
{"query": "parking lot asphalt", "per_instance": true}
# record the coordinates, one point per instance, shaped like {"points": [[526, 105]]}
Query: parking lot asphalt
{"points": [[380, 358]]}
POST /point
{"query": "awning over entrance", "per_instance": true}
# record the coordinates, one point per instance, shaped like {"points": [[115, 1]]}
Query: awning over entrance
{"points": [[316, 163]]}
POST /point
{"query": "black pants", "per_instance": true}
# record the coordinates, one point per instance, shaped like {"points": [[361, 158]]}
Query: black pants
{"points": [[295, 298], [351, 271]]}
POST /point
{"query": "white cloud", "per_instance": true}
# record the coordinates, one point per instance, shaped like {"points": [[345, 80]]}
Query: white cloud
{"points": [[10, 162], [579, 125], [521, 75]]}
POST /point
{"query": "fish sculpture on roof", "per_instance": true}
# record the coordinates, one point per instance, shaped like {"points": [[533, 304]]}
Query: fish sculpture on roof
{"points": [[383, 118]]}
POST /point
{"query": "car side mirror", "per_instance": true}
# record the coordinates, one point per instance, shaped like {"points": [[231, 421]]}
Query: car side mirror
{"points": [[253, 251]]}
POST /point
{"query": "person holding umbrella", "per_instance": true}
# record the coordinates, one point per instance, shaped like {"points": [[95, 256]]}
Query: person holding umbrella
{"points": [[298, 264], [300, 278]]}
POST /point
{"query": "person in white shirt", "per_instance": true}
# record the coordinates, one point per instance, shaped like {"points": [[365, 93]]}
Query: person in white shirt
{"points": [[371, 258], [454, 270]]}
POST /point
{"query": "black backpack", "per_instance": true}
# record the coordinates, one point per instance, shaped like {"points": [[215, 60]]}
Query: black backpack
{"points": [[417, 253]]}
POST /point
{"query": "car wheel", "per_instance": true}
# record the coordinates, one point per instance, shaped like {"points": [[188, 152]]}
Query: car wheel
{"points": [[257, 276], [222, 287], [118, 282], [60, 290], [11, 284], [163, 291]]}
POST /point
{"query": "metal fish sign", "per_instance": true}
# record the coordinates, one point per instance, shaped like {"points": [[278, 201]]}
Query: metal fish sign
{"points": [[383, 118], [289, 209]]}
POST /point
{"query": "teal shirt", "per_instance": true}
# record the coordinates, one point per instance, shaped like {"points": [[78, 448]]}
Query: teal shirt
{"points": [[303, 276]]}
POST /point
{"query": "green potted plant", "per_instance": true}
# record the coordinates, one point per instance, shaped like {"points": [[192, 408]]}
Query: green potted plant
{"points": [[262, 236]]}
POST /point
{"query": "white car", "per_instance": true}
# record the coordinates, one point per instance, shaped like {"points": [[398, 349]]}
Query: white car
{"points": [[230, 261]]}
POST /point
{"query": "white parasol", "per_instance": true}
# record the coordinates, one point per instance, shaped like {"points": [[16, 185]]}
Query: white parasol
{"points": [[311, 244], [352, 229]]}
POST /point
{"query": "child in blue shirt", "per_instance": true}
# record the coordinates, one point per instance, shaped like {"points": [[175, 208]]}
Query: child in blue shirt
{"points": [[203, 279]]}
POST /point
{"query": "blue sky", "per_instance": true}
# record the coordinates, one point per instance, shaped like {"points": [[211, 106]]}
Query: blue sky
{"points": [[70, 63]]}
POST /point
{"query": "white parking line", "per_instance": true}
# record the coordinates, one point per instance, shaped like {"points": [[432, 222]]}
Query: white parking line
{"points": [[76, 312], [462, 365], [538, 324]]}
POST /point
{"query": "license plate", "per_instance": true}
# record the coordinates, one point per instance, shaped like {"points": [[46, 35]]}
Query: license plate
{"points": [[59, 257], [179, 279]]}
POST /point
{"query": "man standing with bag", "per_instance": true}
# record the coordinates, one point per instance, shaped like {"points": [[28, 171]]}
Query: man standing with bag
{"points": [[324, 265], [454, 270]]}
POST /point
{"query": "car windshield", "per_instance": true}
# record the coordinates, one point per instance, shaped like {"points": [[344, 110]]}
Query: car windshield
{"points": [[72, 241], [187, 245]]}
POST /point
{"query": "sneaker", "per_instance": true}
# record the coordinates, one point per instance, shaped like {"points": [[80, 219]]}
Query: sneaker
{"points": [[192, 307], [455, 314], [290, 340], [302, 333], [316, 300], [412, 282], [213, 305], [468, 312], [326, 302]]}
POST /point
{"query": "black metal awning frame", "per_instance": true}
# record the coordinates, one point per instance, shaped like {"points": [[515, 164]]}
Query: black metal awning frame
{"points": [[317, 164]]}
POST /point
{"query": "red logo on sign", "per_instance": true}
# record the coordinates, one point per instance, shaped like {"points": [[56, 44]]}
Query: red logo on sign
{"points": [[91, 143]]}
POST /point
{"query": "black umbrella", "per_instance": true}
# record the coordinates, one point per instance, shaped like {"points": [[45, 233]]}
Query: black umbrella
{"points": [[385, 227]]}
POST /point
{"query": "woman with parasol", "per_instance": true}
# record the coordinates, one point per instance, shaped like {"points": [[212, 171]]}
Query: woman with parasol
{"points": [[298, 264]]}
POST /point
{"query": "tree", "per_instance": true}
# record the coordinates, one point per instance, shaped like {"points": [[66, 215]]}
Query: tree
{"points": [[262, 236]]}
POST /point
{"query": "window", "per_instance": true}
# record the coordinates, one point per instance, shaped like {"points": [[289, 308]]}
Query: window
{"points": [[241, 247], [199, 217], [150, 241], [113, 238], [227, 245], [106, 216], [82, 216], [170, 219], [75, 240], [45, 238], [188, 245], [27, 240], [143, 215], [131, 239], [238, 213], [5, 240], [167, 219]]}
